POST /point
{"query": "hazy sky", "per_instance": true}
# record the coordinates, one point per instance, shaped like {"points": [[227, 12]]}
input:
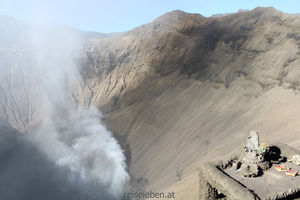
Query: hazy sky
{"points": [[122, 15]]}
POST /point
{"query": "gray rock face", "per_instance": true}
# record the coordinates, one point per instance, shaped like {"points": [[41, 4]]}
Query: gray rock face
{"points": [[250, 170], [251, 148], [295, 159], [252, 161], [252, 143]]}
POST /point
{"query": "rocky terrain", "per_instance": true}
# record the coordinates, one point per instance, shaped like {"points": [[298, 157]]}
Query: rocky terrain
{"points": [[185, 89]]}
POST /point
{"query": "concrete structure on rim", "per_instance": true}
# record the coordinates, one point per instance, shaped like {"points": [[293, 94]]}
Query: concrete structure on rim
{"points": [[217, 181]]}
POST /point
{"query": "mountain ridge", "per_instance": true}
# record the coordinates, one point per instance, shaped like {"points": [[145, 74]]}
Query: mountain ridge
{"points": [[185, 89], [178, 95]]}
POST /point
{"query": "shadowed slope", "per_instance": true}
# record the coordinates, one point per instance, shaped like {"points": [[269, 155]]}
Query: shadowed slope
{"points": [[180, 93], [186, 89]]}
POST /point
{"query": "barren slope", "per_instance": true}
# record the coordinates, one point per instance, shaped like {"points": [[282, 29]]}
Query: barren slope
{"points": [[184, 89]]}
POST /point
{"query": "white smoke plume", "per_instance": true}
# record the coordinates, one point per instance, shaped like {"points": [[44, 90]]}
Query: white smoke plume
{"points": [[65, 151], [86, 149]]}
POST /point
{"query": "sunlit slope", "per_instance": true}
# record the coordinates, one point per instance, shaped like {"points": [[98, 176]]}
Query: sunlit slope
{"points": [[184, 89], [38, 65], [180, 90]]}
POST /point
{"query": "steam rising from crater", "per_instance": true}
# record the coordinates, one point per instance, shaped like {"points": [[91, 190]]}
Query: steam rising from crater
{"points": [[39, 85]]}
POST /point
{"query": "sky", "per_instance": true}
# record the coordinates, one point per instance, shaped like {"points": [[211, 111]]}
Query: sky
{"points": [[122, 15]]}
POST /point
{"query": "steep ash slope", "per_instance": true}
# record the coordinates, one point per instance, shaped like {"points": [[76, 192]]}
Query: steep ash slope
{"points": [[71, 153], [184, 89], [175, 92]]}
